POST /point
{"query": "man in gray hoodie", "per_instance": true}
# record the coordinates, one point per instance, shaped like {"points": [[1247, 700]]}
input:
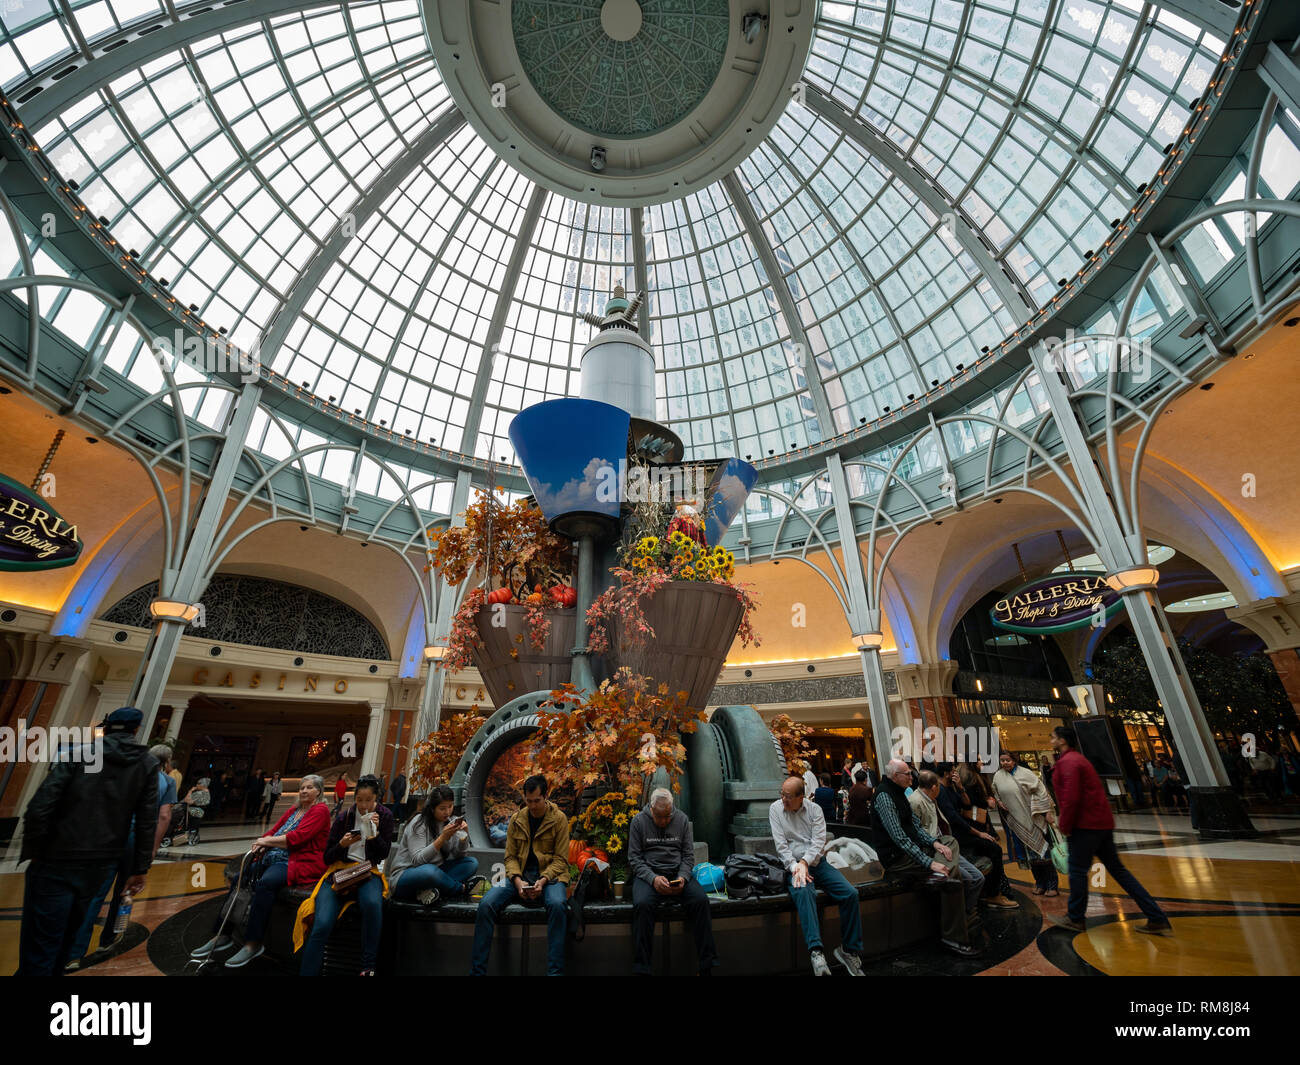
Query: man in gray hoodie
{"points": [[661, 852]]}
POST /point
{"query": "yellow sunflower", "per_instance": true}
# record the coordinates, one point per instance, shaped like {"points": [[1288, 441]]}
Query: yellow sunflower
{"points": [[678, 538], [614, 844], [688, 574], [647, 545], [620, 820]]}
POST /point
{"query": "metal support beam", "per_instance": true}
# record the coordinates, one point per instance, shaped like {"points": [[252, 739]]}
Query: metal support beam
{"points": [[863, 614], [641, 272], [1012, 293], [186, 582], [1221, 813], [88, 376], [1281, 74], [439, 627], [310, 277], [1218, 18], [497, 327], [781, 288], [120, 53], [1201, 319]]}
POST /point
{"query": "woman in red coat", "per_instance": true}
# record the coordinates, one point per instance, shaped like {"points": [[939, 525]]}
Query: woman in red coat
{"points": [[340, 790], [292, 854]]}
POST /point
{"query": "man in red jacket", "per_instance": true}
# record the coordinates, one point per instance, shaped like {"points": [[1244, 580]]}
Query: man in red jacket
{"points": [[1086, 820]]}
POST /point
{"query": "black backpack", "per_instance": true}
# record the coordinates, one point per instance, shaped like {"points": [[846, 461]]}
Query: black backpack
{"points": [[748, 875]]}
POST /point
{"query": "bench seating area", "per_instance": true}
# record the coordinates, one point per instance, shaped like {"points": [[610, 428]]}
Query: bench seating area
{"points": [[759, 936]]}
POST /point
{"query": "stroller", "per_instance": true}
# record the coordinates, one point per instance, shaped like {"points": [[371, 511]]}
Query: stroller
{"points": [[185, 822]]}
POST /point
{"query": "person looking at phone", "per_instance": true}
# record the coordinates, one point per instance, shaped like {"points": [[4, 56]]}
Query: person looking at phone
{"points": [[363, 832], [432, 862], [661, 853], [537, 870]]}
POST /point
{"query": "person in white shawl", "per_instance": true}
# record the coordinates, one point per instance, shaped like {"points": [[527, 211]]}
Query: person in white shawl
{"points": [[1027, 809]]}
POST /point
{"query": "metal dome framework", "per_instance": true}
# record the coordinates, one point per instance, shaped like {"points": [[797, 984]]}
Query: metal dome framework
{"points": [[298, 174]]}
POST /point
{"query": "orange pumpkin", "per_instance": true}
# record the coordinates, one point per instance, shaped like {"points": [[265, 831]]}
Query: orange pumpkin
{"points": [[576, 847], [535, 598]]}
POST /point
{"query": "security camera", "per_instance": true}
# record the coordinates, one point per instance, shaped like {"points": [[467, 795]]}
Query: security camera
{"points": [[752, 25], [597, 158]]}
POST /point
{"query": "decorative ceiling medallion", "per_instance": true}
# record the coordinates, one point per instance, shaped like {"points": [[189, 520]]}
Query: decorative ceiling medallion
{"points": [[620, 68], [622, 102]]}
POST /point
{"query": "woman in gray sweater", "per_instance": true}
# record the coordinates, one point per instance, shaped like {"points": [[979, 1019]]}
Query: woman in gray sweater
{"points": [[432, 861]]}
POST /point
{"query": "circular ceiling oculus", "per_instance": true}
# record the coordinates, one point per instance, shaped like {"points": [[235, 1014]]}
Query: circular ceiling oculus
{"points": [[622, 102]]}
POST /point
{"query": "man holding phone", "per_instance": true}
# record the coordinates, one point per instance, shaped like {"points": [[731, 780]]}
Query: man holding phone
{"points": [[661, 853], [537, 869]]}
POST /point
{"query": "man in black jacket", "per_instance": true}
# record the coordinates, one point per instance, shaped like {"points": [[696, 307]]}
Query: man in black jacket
{"points": [[75, 831], [973, 841], [661, 852]]}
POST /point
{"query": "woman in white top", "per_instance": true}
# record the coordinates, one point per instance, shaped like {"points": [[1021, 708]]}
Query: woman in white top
{"points": [[1027, 810]]}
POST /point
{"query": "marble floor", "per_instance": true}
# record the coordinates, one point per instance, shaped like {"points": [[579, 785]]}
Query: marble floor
{"points": [[1234, 905]]}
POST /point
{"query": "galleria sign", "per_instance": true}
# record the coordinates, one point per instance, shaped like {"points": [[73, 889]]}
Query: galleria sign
{"points": [[1057, 603], [32, 534]]}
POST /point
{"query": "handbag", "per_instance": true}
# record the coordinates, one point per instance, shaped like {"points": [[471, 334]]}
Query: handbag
{"points": [[342, 880], [1060, 852]]}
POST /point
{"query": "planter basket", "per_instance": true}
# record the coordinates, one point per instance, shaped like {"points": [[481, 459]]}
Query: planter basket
{"points": [[508, 678], [695, 623]]}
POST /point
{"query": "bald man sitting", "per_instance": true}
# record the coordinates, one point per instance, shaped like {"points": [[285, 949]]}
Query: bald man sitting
{"points": [[906, 849]]}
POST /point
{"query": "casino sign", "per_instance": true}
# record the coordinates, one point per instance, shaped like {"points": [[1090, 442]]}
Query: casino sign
{"points": [[33, 535], [1056, 603]]}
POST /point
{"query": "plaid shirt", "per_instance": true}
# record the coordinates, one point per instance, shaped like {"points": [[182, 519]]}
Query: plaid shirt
{"points": [[888, 817]]}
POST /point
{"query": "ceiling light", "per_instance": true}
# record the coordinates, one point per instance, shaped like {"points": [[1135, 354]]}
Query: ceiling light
{"points": [[597, 158], [1133, 579], [164, 609], [868, 641], [751, 26]]}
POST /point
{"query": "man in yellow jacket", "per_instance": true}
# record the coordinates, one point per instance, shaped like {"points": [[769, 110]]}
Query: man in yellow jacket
{"points": [[537, 869]]}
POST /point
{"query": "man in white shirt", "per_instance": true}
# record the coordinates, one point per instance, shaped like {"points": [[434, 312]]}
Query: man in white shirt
{"points": [[799, 829], [809, 781]]}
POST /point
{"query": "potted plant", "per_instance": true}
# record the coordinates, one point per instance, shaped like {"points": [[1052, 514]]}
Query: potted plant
{"points": [[435, 758], [792, 737], [519, 625], [674, 613]]}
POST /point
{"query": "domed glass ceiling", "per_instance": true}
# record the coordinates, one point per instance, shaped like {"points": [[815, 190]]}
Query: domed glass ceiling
{"points": [[229, 161]]}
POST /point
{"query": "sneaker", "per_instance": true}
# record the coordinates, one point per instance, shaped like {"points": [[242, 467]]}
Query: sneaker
{"points": [[428, 896], [72, 966], [367, 972], [819, 966], [1156, 928], [213, 945], [964, 949], [471, 884], [849, 961], [1066, 923], [1001, 902], [245, 955]]}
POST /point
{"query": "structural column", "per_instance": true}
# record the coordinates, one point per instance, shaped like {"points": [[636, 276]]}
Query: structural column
{"points": [[374, 738], [863, 613], [1218, 809], [188, 580]]}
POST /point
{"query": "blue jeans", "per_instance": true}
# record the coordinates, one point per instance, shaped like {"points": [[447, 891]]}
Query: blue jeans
{"points": [[55, 900], [831, 881], [1086, 842], [554, 898], [448, 878], [369, 895]]}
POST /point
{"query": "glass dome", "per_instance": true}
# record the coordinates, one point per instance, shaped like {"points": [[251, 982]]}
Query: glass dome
{"points": [[229, 151]]}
